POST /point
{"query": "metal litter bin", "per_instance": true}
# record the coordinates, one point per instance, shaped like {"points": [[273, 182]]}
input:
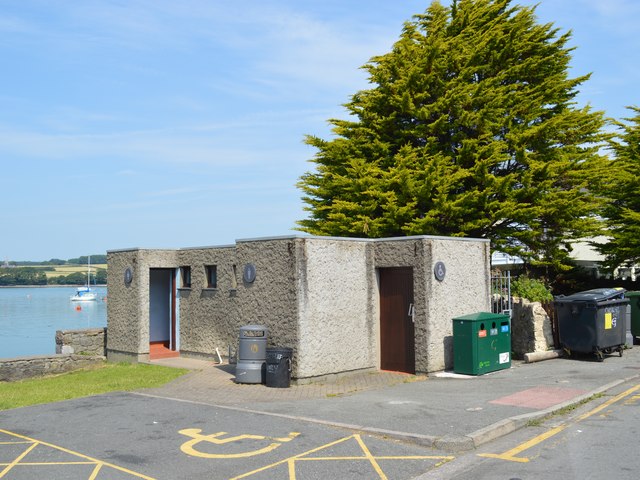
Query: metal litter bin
{"points": [[251, 354], [634, 301], [592, 321], [481, 343], [279, 367]]}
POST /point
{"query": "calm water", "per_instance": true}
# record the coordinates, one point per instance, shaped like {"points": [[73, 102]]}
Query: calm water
{"points": [[29, 318]]}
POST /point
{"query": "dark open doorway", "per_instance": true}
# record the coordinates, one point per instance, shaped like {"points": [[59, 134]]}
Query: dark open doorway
{"points": [[162, 314]]}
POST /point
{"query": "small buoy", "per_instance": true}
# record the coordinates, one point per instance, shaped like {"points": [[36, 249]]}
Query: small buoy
{"points": [[78, 307]]}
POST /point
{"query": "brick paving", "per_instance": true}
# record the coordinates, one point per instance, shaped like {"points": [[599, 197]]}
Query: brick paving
{"points": [[213, 383]]}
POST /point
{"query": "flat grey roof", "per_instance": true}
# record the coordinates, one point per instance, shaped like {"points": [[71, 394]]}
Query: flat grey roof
{"points": [[312, 237], [359, 239]]}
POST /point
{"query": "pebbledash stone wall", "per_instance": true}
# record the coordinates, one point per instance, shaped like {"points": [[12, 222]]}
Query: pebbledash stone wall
{"points": [[90, 341], [464, 289], [318, 295], [336, 328], [530, 328], [21, 368], [132, 300], [211, 318]]}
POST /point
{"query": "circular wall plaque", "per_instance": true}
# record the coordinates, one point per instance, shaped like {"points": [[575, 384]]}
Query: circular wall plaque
{"points": [[128, 275], [249, 273], [439, 271]]}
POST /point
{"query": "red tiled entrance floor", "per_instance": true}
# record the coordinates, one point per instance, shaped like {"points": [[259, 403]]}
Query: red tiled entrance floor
{"points": [[161, 350], [539, 397]]}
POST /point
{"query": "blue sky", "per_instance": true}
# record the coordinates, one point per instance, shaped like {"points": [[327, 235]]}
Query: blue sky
{"points": [[164, 124]]}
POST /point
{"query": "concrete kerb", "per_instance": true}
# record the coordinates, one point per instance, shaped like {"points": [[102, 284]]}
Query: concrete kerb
{"points": [[449, 443], [509, 425], [462, 443], [423, 440]]}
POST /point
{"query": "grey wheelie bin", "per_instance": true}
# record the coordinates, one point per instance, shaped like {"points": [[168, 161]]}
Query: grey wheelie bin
{"points": [[252, 351], [592, 321], [634, 299]]}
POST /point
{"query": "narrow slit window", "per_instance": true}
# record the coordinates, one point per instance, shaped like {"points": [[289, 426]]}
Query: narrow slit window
{"points": [[212, 276], [234, 280], [185, 275]]}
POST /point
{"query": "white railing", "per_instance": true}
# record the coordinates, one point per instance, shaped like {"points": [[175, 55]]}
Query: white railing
{"points": [[501, 293]]}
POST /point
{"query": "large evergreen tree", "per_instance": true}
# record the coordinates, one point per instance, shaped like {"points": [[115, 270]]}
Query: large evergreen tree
{"points": [[623, 187], [470, 129]]}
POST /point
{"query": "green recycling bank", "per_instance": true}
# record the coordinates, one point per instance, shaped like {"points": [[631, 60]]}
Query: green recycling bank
{"points": [[481, 343]]}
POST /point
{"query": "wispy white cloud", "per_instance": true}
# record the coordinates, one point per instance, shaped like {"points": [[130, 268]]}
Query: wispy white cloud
{"points": [[614, 8], [11, 25], [309, 52], [617, 17], [233, 143], [285, 43], [163, 107]]}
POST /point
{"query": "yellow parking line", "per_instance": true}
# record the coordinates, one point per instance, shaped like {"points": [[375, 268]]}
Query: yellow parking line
{"points": [[512, 455], [396, 457], [35, 443], [371, 458], [368, 457], [291, 463], [95, 472], [610, 402], [633, 399], [40, 464], [17, 460], [291, 460]]}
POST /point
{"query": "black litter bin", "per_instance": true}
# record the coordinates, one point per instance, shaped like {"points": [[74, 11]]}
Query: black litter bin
{"points": [[279, 367], [592, 321]]}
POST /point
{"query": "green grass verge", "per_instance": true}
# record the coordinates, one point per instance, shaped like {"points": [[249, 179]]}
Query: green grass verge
{"points": [[107, 378]]}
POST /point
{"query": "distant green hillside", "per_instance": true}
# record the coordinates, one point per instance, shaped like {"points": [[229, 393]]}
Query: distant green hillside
{"points": [[53, 274], [95, 259]]}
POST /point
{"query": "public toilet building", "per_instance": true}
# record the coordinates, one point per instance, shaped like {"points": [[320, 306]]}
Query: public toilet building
{"points": [[342, 304]]}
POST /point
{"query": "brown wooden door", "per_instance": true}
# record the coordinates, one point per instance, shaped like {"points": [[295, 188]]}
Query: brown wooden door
{"points": [[397, 347]]}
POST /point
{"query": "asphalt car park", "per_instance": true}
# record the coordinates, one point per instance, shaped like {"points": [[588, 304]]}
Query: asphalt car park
{"points": [[129, 435]]}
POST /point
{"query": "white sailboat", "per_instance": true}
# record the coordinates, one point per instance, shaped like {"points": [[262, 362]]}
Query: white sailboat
{"points": [[85, 294]]}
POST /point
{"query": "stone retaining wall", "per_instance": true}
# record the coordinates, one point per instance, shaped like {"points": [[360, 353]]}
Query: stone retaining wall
{"points": [[530, 328], [90, 341], [75, 349], [20, 368]]}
